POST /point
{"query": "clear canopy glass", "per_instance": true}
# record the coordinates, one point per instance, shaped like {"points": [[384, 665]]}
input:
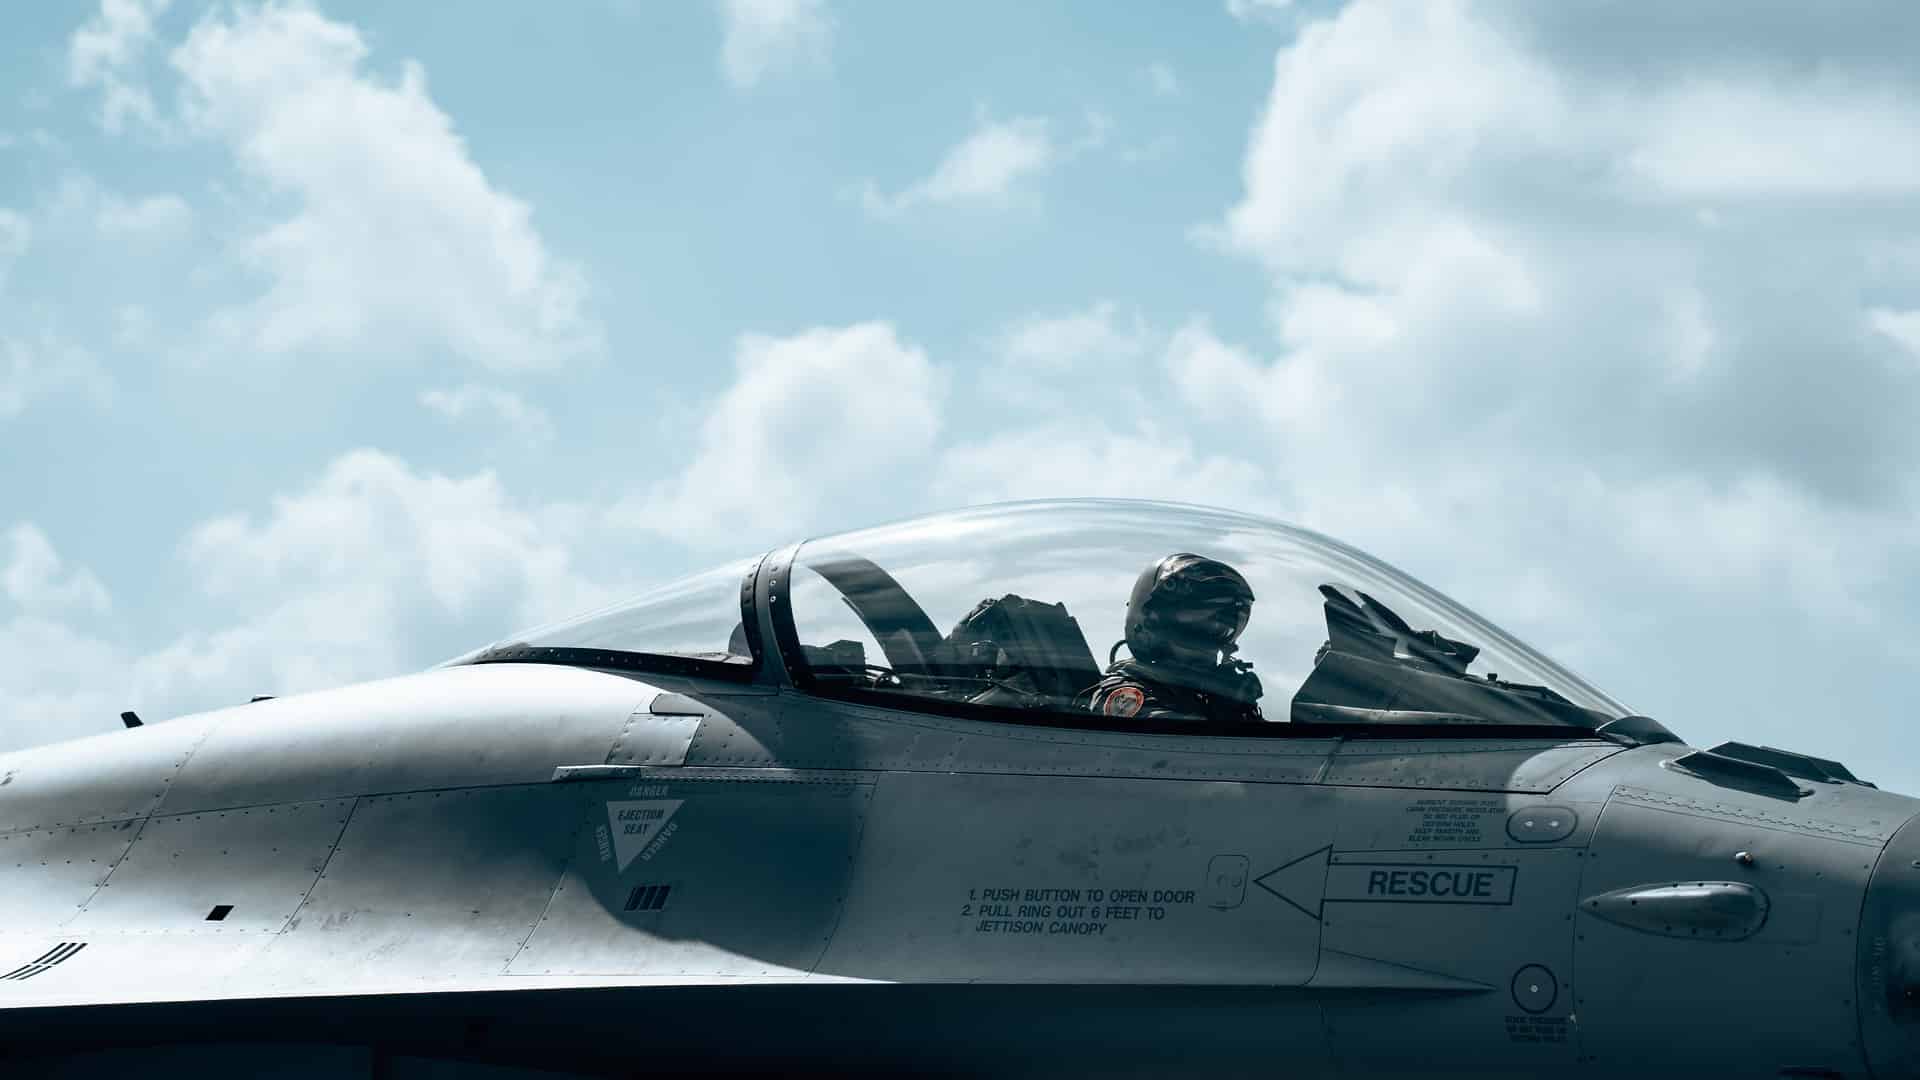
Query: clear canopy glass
{"points": [[696, 617], [1025, 605]]}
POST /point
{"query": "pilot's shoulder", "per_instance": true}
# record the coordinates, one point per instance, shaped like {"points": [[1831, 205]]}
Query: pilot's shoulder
{"points": [[1119, 695]]}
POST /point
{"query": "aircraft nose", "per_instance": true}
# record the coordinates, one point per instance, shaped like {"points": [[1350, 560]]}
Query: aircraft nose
{"points": [[1889, 963]]}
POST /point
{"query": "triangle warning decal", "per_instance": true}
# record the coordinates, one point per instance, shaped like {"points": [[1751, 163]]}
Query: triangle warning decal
{"points": [[636, 824]]}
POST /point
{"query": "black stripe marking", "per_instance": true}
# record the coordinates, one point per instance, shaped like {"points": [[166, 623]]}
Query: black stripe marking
{"points": [[648, 897], [48, 960]]}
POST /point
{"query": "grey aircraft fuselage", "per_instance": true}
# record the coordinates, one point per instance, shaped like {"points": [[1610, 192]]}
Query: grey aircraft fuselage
{"points": [[531, 866]]}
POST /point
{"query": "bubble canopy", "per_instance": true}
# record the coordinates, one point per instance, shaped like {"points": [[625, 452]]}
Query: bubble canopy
{"points": [[1016, 611]]}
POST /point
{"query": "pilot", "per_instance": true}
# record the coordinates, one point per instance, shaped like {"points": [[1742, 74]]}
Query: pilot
{"points": [[1184, 617]]}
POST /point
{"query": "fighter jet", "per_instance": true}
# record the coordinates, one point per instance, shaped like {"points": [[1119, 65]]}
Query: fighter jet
{"points": [[1054, 788]]}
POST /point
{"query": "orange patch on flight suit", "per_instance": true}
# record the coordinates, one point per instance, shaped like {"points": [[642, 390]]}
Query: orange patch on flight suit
{"points": [[1124, 701]]}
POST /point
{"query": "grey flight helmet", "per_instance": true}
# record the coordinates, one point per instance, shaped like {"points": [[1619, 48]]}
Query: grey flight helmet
{"points": [[1187, 610]]}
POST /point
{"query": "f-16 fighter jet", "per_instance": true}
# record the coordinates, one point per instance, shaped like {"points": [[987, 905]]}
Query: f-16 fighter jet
{"points": [[1058, 788]]}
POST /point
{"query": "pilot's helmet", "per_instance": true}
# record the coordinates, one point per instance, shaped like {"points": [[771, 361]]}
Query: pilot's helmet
{"points": [[1187, 609]]}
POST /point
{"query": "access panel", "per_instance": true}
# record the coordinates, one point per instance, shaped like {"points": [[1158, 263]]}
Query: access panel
{"points": [[1678, 991], [429, 886], [48, 875], [1450, 963], [224, 872], [701, 878], [1079, 879]]}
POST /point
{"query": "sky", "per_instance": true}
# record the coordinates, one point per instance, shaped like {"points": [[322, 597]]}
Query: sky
{"points": [[338, 339]]}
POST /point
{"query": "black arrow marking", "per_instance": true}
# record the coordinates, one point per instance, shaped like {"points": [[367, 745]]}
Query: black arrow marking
{"points": [[1320, 882]]}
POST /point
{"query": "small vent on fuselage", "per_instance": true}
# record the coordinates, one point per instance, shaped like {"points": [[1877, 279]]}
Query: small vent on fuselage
{"points": [[648, 897], [220, 913]]}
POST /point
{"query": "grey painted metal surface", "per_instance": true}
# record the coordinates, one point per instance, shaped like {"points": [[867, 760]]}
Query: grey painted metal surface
{"points": [[661, 734], [256, 863], [1887, 976], [115, 777], [803, 733], [1426, 923], [1478, 765], [407, 734], [1022, 878], [548, 864], [50, 874], [702, 877], [1477, 916], [1783, 997], [477, 865]]}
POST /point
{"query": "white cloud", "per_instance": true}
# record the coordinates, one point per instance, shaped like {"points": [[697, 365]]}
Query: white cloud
{"points": [[1227, 382], [80, 202], [1901, 327], [526, 422], [373, 519], [1155, 149], [373, 569], [808, 423], [38, 582], [1460, 224], [59, 682], [1757, 534], [1087, 461], [1258, 10], [1368, 111], [1614, 312], [1691, 337], [58, 679], [1612, 333], [132, 326], [1765, 137], [104, 52], [984, 168], [765, 37], [32, 367], [38, 138], [16, 237], [1047, 362], [398, 238], [148, 215], [1161, 79], [1043, 344]]}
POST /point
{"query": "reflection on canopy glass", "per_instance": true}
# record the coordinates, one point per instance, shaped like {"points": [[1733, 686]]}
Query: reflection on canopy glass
{"points": [[695, 617], [1135, 609]]}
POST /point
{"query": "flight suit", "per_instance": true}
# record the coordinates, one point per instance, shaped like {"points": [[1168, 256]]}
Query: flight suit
{"points": [[1149, 692]]}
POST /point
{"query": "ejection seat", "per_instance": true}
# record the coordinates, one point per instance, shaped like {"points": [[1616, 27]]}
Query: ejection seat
{"points": [[1028, 653]]}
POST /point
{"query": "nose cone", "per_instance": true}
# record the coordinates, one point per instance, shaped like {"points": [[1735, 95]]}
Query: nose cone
{"points": [[1889, 970]]}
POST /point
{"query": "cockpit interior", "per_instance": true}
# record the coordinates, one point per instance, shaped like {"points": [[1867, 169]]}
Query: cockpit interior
{"points": [[1019, 611]]}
